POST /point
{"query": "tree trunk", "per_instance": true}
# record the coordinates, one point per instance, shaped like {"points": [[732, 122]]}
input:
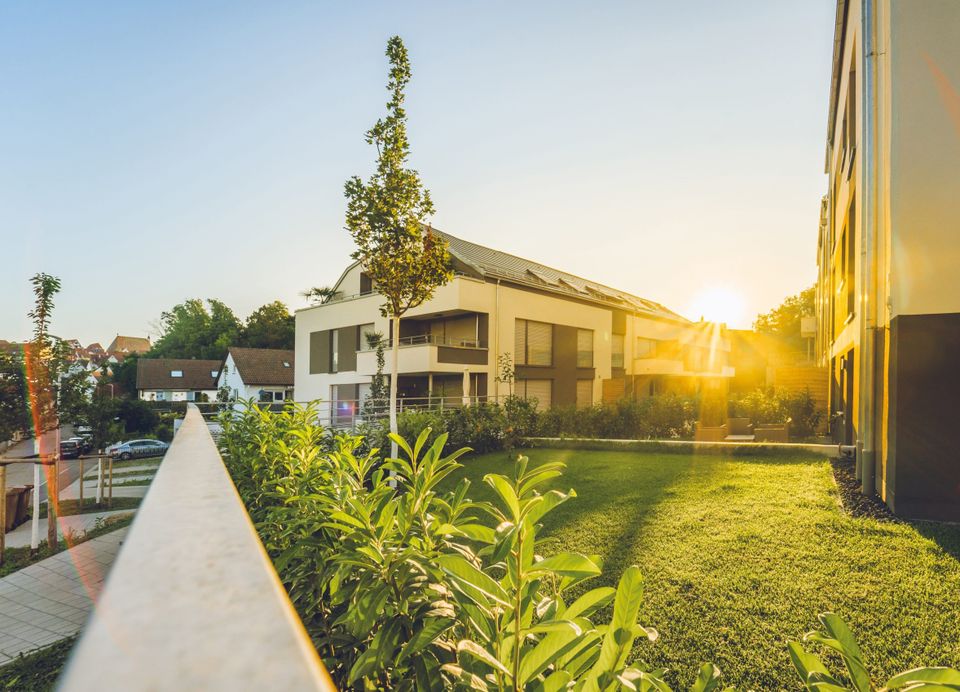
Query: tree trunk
{"points": [[394, 367]]}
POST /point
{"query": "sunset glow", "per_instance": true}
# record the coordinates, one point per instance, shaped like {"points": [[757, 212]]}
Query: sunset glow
{"points": [[720, 304]]}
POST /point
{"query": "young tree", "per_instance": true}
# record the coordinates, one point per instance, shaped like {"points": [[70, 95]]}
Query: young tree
{"points": [[385, 215], [269, 326], [190, 330], [40, 357], [377, 398], [14, 409]]}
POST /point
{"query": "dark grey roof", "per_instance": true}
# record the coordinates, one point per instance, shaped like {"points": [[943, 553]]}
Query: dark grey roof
{"points": [[489, 263]]}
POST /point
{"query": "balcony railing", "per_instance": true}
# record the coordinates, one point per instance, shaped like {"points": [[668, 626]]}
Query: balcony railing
{"points": [[430, 339], [192, 601]]}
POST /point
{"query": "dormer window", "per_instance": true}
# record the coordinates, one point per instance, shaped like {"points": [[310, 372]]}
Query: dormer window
{"points": [[176, 373], [214, 373], [286, 364]]}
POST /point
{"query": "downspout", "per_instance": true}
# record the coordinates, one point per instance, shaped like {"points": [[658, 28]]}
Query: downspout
{"points": [[868, 232], [496, 346]]}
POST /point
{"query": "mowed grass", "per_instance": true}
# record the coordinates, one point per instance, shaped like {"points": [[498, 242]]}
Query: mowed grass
{"points": [[739, 556]]}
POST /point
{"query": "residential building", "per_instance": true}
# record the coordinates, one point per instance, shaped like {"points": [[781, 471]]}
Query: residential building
{"points": [[569, 341], [122, 346], [888, 288], [177, 379], [261, 374]]}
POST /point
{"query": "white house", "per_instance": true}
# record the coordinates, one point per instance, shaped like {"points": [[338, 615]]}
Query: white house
{"points": [[177, 379], [261, 374]]}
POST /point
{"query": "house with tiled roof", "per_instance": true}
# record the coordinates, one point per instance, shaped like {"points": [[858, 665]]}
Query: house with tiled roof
{"points": [[261, 374], [177, 379], [123, 346], [571, 341]]}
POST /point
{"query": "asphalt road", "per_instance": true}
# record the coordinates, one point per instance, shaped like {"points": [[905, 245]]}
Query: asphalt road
{"points": [[22, 474]]}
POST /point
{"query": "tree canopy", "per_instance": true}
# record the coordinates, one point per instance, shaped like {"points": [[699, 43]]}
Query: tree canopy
{"points": [[784, 320], [190, 330], [269, 326]]}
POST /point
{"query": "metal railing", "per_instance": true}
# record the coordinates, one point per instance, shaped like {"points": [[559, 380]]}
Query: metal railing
{"points": [[428, 339], [192, 601]]}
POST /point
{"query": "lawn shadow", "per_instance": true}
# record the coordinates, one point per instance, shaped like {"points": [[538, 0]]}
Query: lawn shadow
{"points": [[945, 535]]}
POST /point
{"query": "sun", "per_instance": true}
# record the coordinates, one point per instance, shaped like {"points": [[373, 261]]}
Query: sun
{"points": [[719, 304]]}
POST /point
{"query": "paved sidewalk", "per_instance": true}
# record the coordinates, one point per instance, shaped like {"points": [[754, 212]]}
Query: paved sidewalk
{"points": [[51, 599], [76, 523]]}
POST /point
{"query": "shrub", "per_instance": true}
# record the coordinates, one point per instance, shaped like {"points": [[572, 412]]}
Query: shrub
{"points": [[664, 416], [403, 585], [771, 405]]}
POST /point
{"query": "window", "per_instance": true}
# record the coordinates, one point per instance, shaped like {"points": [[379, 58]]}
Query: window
{"points": [[850, 267], [214, 373], [646, 348], [584, 348], [616, 351], [533, 343], [334, 349], [286, 364], [368, 332], [584, 393], [176, 373], [541, 390], [278, 396]]}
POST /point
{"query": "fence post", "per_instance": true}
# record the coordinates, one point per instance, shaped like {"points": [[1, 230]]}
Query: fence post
{"points": [[3, 510], [110, 497], [35, 519], [81, 484], [100, 478], [52, 498]]}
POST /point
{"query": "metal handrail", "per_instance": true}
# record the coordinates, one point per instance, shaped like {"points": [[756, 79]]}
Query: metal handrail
{"points": [[427, 339]]}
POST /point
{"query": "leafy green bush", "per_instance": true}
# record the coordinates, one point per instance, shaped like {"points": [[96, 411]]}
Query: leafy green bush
{"points": [[403, 585], [665, 416], [772, 405]]}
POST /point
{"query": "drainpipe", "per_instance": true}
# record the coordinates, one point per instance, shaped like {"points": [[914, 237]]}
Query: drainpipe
{"points": [[868, 231], [496, 346]]}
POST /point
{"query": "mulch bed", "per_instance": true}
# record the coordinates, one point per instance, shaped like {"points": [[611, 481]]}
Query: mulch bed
{"points": [[854, 502]]}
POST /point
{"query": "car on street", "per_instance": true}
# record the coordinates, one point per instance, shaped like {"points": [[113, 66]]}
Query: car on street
{"points": [[70, 449], [139, 448], [82, 442]]}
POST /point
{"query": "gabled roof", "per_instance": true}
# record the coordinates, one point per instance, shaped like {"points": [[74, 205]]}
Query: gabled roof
{"points": [[264, 366], [489, 263], [155, 373], [129, 344]]}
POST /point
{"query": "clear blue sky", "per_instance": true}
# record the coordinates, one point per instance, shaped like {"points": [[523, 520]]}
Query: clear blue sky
{"points": [[156, 151]]}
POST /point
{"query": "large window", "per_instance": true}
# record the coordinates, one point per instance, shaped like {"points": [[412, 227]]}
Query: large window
{"points": [[616, 351], [584, 348], [533, 343], [540, 390], [584, 393], [367, 332], [334, 349]]}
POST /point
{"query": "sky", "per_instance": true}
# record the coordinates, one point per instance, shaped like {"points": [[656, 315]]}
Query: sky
{"points": [[152, 152]]}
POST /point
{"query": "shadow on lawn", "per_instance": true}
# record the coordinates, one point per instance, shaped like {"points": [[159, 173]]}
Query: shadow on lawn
{"points": [[946, 536]]}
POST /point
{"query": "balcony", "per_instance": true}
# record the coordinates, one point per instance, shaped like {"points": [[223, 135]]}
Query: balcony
{"points": [[424, 353]]}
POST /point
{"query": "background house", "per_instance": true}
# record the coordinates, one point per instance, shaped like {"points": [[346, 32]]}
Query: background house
{"points": [[177, 379], [122, 346], [261, 374]]}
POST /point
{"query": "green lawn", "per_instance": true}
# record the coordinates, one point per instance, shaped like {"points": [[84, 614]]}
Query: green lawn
{"points": [[38, 671], [740, 555]]}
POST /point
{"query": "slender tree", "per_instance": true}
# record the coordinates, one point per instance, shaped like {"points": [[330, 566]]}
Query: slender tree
{"points": [[385, 217], [40, 356]]}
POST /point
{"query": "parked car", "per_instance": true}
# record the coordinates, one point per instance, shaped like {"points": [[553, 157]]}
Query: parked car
{"points": [[139, 448], [82, 442], [69, 449]]}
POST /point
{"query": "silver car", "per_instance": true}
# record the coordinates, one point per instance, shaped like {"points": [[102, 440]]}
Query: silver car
{"points": [[139, 448]]}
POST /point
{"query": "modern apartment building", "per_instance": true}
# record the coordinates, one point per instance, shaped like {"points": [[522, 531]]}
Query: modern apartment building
{"points": [[570, 341], [889, 250]]}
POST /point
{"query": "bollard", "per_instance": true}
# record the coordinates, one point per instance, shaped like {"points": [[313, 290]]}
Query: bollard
{"points": [[52, 498], [35, 519], [81, 484], [100, 479]]}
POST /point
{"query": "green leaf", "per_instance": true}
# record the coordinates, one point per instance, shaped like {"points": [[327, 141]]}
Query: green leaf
{"points": [[550, 649], [478, 652], [945, 678], [805, 663], [465, 573], [589, 602], [566, 565], [707, 680], [503, 488], [849, 649], [430, 629], [620, 635]]}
